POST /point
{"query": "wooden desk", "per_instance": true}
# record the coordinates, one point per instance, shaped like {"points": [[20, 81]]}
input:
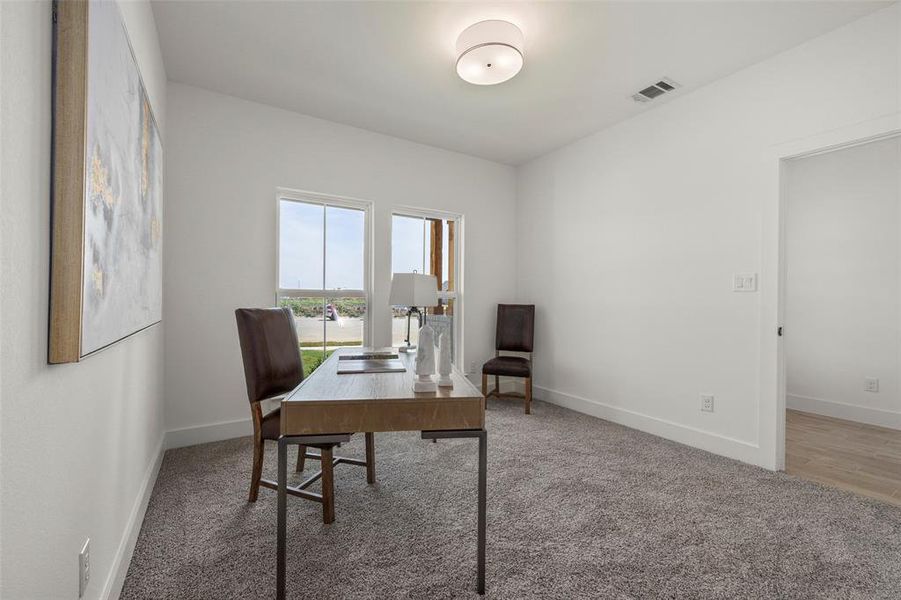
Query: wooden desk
{"points": [[327, 407]]}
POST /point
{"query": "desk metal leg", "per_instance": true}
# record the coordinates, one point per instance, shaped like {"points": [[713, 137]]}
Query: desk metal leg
{"points": [[282, 517], [370, 457], [483, 489]]}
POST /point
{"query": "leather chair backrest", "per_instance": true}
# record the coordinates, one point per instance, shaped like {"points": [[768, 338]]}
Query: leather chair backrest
{"points": [[515, 327], [271, 353]]}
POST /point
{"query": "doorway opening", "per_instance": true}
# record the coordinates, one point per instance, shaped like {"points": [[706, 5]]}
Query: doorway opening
{"points": [[841, 296]]}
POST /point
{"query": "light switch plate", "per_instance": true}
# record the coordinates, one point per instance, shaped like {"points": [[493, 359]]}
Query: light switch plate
{"points": [[744, 282]]}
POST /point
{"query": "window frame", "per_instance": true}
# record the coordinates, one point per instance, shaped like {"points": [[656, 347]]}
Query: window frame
{"points": [[459, 241], [327, 200]]}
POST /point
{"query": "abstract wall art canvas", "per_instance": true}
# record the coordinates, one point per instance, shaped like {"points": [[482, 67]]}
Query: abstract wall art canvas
{"points": [[106, 255]]}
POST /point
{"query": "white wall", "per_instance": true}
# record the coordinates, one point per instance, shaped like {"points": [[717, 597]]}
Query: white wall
{"points": [[225, 159], [628, 240], [843, 272], [79, 441]]}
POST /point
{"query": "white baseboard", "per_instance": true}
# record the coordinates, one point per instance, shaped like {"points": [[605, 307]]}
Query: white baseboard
{"points": [[203, 434], [840, 410], [122, 559], [691, 436]]}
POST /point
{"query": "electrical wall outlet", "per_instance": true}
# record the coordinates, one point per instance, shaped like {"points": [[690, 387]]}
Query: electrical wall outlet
{"points": [[472, 366], [870, 384], [707, 402], [84, 567]]}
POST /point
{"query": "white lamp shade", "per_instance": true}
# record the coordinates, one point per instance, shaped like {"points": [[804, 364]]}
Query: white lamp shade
{"points": [[413, 289], [489, 52]]}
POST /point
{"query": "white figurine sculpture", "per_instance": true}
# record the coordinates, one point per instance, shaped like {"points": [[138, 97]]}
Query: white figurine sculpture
{"points": [[444, 360], [425, 361]]}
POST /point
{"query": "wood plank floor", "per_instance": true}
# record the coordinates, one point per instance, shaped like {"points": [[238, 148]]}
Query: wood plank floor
{"points": [[863, 459]]}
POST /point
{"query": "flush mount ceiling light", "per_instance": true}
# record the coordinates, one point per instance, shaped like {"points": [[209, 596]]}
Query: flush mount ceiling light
{"points": [[489, 52]]}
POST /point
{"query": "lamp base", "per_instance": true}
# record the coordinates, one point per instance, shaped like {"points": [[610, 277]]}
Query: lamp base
{"points": [[445, 381]]}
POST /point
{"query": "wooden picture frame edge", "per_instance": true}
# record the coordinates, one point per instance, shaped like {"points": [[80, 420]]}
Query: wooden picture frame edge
{"points": [[70, 64]]}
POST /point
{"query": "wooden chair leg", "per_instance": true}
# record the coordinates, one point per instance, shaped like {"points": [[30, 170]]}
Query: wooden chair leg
{"points": [[328, 487], [485, 384], [497, 386], [370, 457], [257, 472], [301, 458], [528, 395]]}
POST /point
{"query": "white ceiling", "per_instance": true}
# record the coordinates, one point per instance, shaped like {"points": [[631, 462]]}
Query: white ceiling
{"points": [[389, 66]]}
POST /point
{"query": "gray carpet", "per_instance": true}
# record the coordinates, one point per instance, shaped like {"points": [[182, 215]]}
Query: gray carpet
{"points": [[577, 508]]}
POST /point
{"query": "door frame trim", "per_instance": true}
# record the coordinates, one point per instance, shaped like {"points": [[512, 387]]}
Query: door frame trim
{"points": [[772, 303]]}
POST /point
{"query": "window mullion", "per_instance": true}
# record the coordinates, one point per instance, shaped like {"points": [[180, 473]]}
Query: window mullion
{"points": [[425, 246], [324, 263]]}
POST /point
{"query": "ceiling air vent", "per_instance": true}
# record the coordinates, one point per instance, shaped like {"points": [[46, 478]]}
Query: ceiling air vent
{"points": [[655, 90]]}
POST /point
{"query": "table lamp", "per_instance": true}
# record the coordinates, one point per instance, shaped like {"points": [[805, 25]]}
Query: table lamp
{"points": [[413, 291]]}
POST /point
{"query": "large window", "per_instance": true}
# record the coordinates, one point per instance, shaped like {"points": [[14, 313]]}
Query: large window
{"points": [[323, 272], [428, 242]]}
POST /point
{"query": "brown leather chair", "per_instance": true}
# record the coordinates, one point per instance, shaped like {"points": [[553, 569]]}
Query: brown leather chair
{"points": [[272, 368], [515, 333]]}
